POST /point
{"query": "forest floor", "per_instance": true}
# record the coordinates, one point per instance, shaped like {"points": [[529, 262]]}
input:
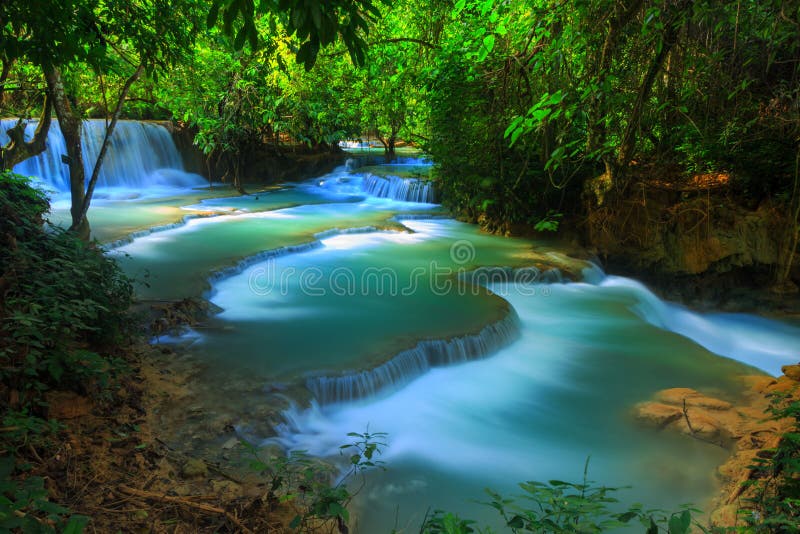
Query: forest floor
{"points": [[126, 462], [113, 462]]}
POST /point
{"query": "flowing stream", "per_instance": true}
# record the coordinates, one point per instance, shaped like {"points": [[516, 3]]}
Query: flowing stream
{"points": [[369, 308]]}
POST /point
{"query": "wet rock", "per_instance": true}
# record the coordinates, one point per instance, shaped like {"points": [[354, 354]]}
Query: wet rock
{"points": [[704, 426], [657, 414], [758, 383], [792, 371], [691, 413], [783, 385], [745, 428], [736, 464]]}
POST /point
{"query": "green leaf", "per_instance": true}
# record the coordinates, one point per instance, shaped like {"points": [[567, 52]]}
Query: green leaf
{"points": [[516, 522], [488, 42]]}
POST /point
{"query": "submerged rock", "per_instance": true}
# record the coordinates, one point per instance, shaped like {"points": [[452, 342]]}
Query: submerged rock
{"points": [[690, 412], [744, 428], [693, 398], [657, 414]]}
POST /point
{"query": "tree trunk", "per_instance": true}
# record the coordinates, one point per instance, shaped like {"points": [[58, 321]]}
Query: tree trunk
{"points": [[597, 130], [18, 150], [4, 72], [71, 130], [388, 145], [790, 240], [628, 144], [104, 148]]}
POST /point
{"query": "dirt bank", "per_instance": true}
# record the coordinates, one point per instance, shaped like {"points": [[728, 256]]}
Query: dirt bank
{"points": [[694, 240], [114, 461], [158, 453]]}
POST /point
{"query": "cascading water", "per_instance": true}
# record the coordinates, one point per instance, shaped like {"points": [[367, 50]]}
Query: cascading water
{"points": [[346, 182], [142, 155], [404, 189], [755, 341], [414, 362]]}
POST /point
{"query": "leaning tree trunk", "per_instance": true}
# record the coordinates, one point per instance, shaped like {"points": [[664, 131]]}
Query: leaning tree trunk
{"points": [[599, 72], [104, 148], [71, 130]]}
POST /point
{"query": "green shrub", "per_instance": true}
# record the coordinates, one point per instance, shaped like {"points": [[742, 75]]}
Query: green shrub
{"points": [[560, 507], [64, 304], [24, 506]]}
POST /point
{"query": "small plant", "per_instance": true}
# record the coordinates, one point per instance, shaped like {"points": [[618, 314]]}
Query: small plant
{"points": [[313, 484], [65, 304], [549, 223], [441, 522], [560, 507], [24, 506]]}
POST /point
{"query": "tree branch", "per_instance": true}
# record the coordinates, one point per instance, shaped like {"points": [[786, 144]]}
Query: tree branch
{"points": [[392, 40], [18, 150], [4, 76]]}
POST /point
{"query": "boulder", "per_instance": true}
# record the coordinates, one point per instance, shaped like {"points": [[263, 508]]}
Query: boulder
{"points": [[792, 371], [657, 414]]}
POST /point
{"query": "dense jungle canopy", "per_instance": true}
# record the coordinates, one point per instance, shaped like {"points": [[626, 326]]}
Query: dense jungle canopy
{"points": [[529, 108]]}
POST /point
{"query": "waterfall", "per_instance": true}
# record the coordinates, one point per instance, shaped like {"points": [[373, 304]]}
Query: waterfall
{"points": [[405, 189], [414, 362], [141, 155], [756, 341]]}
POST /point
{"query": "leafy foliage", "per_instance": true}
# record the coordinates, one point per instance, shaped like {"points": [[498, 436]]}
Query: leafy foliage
{"points": [[315, 23], [560, 507], [64, 302], [24, 506], [309, 482], [776, 507], [531, 100]]}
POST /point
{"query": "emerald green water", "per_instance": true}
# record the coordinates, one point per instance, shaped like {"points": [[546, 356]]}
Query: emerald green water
{"points": [[319, 283]]}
